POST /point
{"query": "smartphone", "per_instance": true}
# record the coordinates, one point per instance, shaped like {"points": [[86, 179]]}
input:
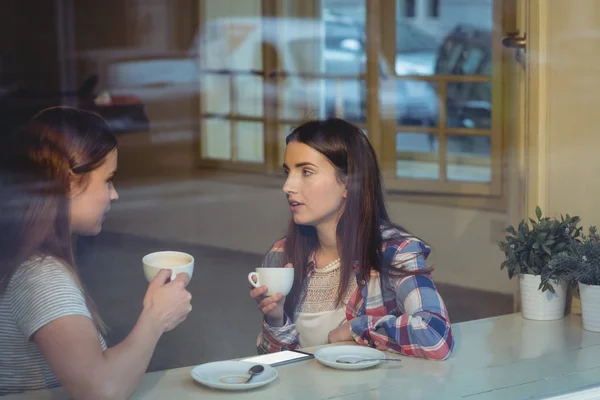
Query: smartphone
{"points": [[281, 358]]}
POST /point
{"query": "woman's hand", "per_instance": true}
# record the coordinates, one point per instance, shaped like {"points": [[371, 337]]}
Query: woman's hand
{"points": [[271, 306], [167, 304], [342, 333]]}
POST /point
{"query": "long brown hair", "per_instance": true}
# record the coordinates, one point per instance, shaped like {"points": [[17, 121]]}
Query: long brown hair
{"points": [[359, 238], [58, 145]]}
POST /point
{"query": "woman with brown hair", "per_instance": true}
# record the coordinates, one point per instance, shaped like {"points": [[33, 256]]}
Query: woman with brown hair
{"points": [[357, 276], [57, 180]]}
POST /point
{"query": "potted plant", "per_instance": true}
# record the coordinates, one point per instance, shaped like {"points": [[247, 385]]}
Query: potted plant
{"points": [[580, 262], [528, 250]]}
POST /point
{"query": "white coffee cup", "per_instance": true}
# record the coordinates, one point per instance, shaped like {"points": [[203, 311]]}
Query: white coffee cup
{"points": [[277, 280], [176, 261]]}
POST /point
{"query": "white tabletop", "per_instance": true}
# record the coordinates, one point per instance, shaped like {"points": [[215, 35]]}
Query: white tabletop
{"points": [[504, 357]]}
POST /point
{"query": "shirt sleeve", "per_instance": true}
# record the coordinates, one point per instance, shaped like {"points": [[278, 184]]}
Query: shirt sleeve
{"points": [[423, 329], [273, 339], [43, 291]]}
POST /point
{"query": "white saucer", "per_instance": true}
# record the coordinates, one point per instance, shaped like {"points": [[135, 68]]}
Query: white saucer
{"points": [[329, 355], [232, 375]]}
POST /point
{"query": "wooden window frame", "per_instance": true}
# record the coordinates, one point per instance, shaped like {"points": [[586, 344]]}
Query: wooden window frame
{"points": [[380, 26]]}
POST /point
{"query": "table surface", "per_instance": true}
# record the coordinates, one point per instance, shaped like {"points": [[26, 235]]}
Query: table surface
{"points": [[504, 357]]}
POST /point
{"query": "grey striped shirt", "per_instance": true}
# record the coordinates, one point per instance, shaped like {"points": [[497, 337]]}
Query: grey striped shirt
{"points": [[39, 292]]}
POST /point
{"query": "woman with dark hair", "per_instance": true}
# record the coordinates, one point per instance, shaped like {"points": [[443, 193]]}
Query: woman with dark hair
{"points": [[57, 180], [357, 276]]}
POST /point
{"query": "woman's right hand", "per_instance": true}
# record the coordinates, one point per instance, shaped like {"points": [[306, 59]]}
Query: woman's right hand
{"points": [[168, 303], [271, 306]]}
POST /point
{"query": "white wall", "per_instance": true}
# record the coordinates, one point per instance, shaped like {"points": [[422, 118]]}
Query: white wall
{"points": [[464, 242]]}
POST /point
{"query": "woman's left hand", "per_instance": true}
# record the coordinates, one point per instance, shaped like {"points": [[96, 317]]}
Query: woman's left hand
{"points": [[342, 333]]}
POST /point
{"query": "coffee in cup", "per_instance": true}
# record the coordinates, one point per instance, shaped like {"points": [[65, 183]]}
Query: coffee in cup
{"points": [[175, 261]]}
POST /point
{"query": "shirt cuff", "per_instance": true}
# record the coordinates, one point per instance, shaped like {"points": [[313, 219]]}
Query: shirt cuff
{"points": [[360, 330], [279, 330]]}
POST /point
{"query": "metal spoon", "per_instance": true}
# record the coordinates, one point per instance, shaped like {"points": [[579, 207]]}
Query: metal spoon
{"points": [[368, 359], [255, 370]]}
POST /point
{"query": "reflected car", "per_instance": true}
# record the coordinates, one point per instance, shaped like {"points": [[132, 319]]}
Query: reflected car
{"points": [[124, 113]]}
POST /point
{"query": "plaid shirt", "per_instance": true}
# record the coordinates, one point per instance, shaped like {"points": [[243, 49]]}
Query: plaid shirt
{"points": [[403, 312]]}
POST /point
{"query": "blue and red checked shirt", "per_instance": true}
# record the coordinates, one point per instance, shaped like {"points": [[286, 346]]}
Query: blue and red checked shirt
{"points": [[396, 308]]}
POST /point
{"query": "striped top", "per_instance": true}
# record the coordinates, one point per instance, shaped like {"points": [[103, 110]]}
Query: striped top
{"points": [[39, 292]]}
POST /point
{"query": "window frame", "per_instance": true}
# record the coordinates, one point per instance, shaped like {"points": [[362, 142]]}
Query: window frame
{"points": [[380, 38]]}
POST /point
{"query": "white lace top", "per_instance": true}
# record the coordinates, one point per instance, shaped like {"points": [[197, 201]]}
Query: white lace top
{"points": [[318, 314]]}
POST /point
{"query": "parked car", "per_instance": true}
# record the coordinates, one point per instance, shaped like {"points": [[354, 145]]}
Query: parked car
{"points": [[467, 50], [124, 113]]}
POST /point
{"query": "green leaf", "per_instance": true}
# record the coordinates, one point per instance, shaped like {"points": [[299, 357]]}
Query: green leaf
{"points": [[538, 212], [547, 250]]}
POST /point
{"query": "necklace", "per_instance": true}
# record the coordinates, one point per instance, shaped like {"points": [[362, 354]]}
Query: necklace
{"points": [[332, 264]]}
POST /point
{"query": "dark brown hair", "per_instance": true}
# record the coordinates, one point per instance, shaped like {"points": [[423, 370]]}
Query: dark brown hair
{"points": [[358, 232], [58, 145]]}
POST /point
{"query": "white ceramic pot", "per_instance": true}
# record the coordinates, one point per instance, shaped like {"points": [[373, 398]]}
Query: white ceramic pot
{"points": [[590, 307], [538, 305]]}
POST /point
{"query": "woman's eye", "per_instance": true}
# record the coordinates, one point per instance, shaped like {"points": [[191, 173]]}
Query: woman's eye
{"points": [[306, 172]]}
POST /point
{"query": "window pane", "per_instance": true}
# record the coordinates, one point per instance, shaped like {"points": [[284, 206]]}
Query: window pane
{"points": [[249, 142], [332, 44], [322, 98], [345, 99], [216, 139], [469, 105], [216, 97], [469, 158], [439, 37], [302, 98], [230, 40], [416, 102], [249, 94], [417, 156]]}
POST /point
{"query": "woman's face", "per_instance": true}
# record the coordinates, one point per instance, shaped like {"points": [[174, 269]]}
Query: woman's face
{"points": [[90, 204], [315, 194]]}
